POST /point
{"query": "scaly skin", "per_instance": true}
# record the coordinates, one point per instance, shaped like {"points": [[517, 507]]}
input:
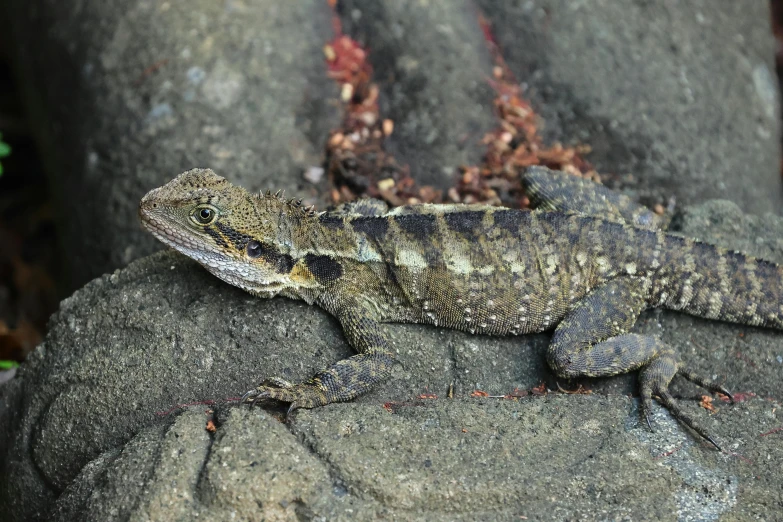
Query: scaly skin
{"points": [[479, 269]]}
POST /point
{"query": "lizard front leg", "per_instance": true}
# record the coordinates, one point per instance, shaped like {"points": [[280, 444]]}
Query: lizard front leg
{"points": [[592, 340], [346, 379]]}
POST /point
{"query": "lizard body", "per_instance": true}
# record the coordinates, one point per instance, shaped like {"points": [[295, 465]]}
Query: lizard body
{"points": [[480, 269]]}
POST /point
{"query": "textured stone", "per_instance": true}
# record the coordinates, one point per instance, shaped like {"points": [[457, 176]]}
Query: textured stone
{"points": [[675, 98], [127, 94]]}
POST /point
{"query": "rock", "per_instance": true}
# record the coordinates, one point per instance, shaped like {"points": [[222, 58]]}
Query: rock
{"points": [[433, 69], [111, 415], [675, 98], [125, 96]]}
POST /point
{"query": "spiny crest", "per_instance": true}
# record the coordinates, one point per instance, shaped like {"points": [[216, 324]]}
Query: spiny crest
{"points": [[294, 205]]}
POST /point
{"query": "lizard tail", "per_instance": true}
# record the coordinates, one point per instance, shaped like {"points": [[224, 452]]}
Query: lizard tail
{"points": [[711, 282]]}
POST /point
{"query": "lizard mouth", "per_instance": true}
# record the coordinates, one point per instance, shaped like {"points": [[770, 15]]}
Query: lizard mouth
{"points": [[214, 261], [166, 234]]}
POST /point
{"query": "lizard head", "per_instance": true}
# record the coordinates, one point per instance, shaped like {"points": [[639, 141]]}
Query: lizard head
{"points": [[232, 233]]}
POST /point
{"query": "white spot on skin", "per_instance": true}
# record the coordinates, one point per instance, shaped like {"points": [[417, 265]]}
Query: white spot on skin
{"points": [[486, 270], [551, 264], [365, 252], [716, 303], [630, 268], [410, 259], [458, 262], [686, 294], [517, 268]]}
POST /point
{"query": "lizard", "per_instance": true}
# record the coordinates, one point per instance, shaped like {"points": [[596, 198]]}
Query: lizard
{"points": [[584, 264]]}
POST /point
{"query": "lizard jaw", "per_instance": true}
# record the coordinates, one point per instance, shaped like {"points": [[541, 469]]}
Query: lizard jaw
{"points": [[222, 267]]}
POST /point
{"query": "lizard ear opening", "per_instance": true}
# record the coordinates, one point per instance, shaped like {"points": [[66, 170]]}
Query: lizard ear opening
{"points": [[254, 249]]}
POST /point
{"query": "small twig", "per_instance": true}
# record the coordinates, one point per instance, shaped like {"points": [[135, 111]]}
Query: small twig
{"points": [[668, 453], [770, 432]]}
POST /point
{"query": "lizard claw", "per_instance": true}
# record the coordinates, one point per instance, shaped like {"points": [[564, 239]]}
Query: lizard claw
{"points": [[265, 389], [299, 395], [706, 383], [246, 396], [728, 394], [712, 441], [255, 396]]}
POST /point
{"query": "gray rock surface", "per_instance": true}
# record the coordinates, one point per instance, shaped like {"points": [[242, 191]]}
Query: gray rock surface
{"points": [[676, 98], [127, 94], [432, 66], [92, 429]]}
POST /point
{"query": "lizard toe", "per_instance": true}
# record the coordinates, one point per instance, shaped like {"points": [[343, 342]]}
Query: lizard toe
{"points": [[277, 382], [299, 395], [704, 382], [678, 413]]}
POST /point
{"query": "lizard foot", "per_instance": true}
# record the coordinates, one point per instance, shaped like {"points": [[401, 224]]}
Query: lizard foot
{"points": [[655, 379], [305, 395]]}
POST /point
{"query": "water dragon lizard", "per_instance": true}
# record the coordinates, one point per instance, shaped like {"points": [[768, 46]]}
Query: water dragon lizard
{"points": [[584, 264]]}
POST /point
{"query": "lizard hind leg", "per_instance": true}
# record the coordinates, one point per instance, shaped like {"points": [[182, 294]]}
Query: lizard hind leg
{"points": [[591, 341]]}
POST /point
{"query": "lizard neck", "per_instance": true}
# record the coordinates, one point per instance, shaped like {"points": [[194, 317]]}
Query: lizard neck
{"points": [[321, 248]]}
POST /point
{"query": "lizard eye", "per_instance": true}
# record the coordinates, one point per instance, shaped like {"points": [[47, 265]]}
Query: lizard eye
{"points": [[204, 215]]}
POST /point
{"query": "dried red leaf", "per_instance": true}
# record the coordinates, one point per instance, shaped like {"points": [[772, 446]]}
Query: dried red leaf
{"points": [[706, 403], [539, 390]]}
